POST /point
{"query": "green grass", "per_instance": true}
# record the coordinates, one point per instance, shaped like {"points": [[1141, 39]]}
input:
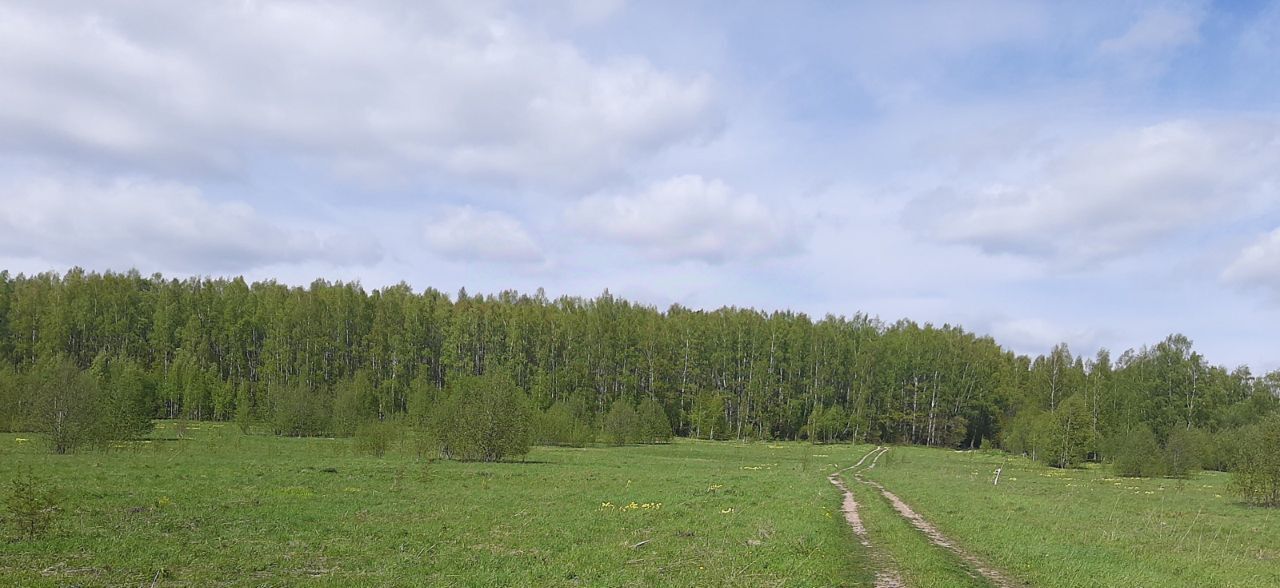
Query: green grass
{"points": [[1086, 527], [918, 562], [222, 508]]}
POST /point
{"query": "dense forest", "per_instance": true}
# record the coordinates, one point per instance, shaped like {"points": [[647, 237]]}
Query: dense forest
{"points": [[325, 358]]}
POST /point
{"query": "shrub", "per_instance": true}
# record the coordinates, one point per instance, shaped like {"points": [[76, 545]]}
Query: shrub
{"points": [[1183, 451], [354, 403], [64, 404], [374, 437], [621, 424], [483, 418], [299, 412], [1136, 453], [559, 425], [1256, 473], [655, 427], [31, 506], [1069, 437], [12, 407]]}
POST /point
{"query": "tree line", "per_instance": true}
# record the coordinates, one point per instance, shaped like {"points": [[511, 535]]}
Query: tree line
{"points": [[326, 358]]}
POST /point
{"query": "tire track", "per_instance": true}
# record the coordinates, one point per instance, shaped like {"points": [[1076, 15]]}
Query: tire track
{"points": [[886, 575], [935, 536]]}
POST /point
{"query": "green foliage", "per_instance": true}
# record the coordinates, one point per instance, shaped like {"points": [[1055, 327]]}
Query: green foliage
{"points": [[1028, 434], [622, 424], [483, 418], [245, 415], [1184, 451], [1256, 473], [322, 359], [298, 412], [655, 427], [126, 403], [560, 425], [31, 505], [1136, 453], [12, 401], [64, 404], [355, 402], [374, 437], [707, 420], [1068, 438]]}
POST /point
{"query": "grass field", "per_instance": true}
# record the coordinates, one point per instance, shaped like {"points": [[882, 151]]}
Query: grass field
{"points": [[1083, 527], [221, 508]]}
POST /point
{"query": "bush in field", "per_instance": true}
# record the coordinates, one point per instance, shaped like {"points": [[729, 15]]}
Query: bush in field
{"points": [[1028, 434], [30, 506], [1183, 451], [126, 397], [354, 403], [1069, 436], [621, 424], [374, 437], [12, 405], [483, 418], [655, 427], [64, 404], [1256, 472], [559, 425], [298, 411], [245, 416], [1136, 453]]}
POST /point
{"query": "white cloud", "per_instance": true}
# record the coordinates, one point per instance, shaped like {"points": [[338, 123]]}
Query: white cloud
{"points": [[690, 217], [1258, 265], [154, 225], [1145, 50], [1158, 30], [1036, 336], [375, 87], [1108, 198], [468, 234]]}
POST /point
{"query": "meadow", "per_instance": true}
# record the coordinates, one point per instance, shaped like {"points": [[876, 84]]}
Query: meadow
{"points": [[1074, 527], [218, 507], [223, 508]]}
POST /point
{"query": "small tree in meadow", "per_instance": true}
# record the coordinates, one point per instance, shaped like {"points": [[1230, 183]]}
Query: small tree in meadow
{"points": [[1183, 451], [483, 418], [65, 403], [655, 427], [1135, 453], [30, 505], [559, 425], [621, 424], [1256, 474]]}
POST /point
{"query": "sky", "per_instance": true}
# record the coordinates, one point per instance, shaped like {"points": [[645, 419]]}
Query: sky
{"points": [[1097, 173]]}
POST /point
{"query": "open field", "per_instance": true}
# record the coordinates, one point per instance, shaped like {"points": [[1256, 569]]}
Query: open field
{"points": [[224, 508], [1082, 527]]}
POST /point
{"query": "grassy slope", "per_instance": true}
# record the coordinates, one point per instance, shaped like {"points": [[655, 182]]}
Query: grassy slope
{"points": [[1086, 527], [222, 508]]}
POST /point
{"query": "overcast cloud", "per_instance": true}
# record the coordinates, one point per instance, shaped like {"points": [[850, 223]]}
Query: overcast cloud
{"points": [[1101, 174]]}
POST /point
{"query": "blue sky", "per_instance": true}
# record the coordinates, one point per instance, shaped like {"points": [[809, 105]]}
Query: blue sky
{"points": [[1102, 174]]}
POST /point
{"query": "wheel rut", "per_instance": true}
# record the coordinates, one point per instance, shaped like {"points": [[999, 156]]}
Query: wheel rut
{"points": [[887, 575], [930, 531]]}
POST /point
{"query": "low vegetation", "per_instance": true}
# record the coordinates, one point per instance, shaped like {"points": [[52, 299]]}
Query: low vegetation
{"points": [[224, 508]]}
